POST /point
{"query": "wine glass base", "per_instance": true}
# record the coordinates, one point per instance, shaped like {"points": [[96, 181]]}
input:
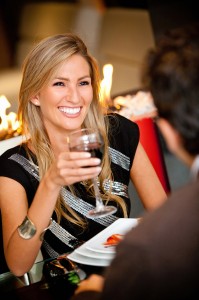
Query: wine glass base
{"points": [[102, 212]]}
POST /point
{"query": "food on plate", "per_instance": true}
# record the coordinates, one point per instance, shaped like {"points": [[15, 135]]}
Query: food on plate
{"points": [[113, 240]]}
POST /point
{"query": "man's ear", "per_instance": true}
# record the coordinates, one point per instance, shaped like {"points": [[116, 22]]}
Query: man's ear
{"points": [[35, 100], [170, 134]]}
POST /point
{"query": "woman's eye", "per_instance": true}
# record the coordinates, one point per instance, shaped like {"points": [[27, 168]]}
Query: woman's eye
{"points": [[59, 83], [84, 83]]}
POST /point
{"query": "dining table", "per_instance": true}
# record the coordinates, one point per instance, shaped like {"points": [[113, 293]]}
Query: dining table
{"points": [[58, 277], [43, 283]]}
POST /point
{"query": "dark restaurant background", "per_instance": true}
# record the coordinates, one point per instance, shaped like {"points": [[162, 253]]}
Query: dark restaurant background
{"points": [[164, 15]]}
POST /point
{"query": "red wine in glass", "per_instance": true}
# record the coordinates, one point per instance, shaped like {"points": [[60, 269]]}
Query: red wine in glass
{"points": [[90, 140], [95, 149]]}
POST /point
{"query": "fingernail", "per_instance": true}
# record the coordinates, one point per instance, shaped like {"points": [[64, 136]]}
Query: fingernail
{"points": [[98, 161], [87, 154]]}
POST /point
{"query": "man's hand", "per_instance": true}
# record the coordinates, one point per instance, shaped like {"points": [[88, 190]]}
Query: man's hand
{"points": [[94, 283]]}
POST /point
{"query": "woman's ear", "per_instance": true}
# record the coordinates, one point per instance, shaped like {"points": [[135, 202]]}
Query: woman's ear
{"points": [[35, 100]]}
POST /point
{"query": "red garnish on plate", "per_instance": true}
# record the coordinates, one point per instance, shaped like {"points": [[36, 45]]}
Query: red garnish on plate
{"points": [[113, 240]]}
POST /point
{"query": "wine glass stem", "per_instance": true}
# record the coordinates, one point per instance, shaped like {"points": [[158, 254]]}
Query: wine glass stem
{"points": [[99, 202]]}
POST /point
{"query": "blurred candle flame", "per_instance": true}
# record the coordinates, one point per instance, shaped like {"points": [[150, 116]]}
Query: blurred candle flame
{"points": [[8, 122], [106, 84]]}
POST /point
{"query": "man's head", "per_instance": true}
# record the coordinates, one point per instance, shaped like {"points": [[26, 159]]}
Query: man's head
{"points": [[172, 75]]}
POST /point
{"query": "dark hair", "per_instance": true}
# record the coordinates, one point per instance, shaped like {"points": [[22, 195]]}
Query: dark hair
{"points": [[171, 73]]}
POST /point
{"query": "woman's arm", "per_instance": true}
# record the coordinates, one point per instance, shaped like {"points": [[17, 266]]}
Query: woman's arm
{"points": [[146, 181], [21, 253]]}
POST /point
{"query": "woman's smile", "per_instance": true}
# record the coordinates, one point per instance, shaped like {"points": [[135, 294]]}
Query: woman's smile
{"points": [[70, 111]]}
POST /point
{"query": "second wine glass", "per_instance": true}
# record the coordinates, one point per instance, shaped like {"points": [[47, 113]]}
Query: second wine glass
{"points": [[90, 140]]}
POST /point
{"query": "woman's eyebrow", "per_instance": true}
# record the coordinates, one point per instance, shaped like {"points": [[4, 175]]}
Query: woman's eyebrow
{"points": [[66, 79]]}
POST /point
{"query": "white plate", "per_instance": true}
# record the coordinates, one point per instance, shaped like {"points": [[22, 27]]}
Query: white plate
{"points": [[93, 251], [120, 226], [83, 250], [78, 258]]}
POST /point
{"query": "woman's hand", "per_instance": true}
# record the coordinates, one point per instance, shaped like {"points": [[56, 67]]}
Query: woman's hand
{"points": [[72, 167]]}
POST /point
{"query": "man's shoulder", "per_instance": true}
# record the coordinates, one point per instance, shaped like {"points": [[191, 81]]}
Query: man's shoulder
{"points": [[185, 193], [180, 210]]}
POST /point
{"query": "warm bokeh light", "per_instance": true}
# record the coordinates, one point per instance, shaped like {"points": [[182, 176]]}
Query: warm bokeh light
{"points": [[106, 84], [9, 124]]}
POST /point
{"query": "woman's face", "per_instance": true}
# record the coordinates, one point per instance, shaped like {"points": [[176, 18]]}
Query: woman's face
{"points": [[65, 101]]}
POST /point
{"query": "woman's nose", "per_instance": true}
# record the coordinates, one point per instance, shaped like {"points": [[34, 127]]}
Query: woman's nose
{"points": [[74, 95]]}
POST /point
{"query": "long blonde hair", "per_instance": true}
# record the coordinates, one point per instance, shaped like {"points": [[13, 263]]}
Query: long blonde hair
{"points": [[39, 66]]}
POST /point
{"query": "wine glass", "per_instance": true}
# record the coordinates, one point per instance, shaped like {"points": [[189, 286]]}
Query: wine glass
{"points": [[90, 140]]}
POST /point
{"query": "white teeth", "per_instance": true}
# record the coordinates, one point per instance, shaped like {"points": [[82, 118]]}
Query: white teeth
{"points": [[70, 111]]}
